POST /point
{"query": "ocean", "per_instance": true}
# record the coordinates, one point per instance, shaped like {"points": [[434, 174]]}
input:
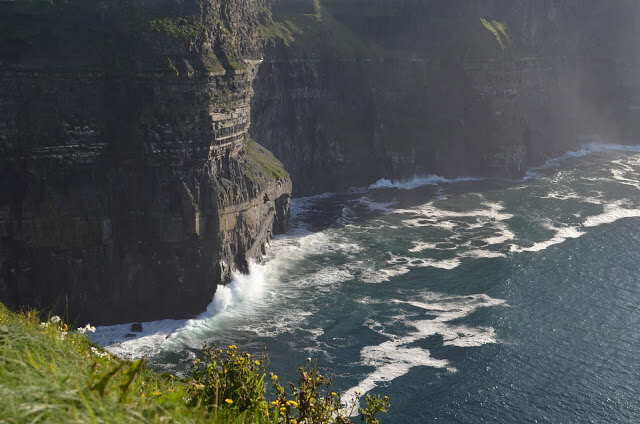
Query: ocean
{"points": [[466, 300]]}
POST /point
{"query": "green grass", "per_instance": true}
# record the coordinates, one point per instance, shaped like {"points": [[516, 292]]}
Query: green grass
{"points": [[50, 373], [263, 166], [499, 31], [319, 30], [47, 379], [178, 27]]}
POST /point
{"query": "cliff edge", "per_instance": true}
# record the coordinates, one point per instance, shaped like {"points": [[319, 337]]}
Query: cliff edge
{"points": [[369, 89], [129, 187]]}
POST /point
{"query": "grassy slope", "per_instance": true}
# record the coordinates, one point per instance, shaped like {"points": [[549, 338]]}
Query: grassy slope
{"points": [[44, 379], [51, 375], [264, 168]]}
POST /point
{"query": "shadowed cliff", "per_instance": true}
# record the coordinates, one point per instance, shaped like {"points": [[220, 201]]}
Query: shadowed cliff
{"points": [[362, 90], [129, 186]]}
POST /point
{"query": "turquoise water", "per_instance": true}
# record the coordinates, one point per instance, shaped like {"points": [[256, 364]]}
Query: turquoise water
{"points": [[463, 301]]}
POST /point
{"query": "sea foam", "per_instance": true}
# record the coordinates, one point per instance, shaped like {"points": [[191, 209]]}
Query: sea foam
{"points": [[418, 181], [396, 356]]}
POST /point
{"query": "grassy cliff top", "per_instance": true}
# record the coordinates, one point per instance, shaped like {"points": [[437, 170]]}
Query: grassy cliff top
{"points": [[53, 377], [122, 37], [50, 373]]}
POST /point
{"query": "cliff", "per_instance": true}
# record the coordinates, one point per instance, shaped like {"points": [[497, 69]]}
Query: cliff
{"points": [[129, 187], [130, 184], [354, 90]]}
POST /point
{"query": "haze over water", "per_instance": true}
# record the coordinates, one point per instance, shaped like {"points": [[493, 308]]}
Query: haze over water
{"points": [[463, 301]]}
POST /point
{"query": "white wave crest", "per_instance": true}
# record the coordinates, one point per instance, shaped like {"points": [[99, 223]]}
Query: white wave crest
{"points": [[418, 182], [612, 213], [242, 287], [590, 149], [395, 357]]}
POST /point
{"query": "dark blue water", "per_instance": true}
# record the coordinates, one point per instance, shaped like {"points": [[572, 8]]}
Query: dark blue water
{"points": [[467, 301]]}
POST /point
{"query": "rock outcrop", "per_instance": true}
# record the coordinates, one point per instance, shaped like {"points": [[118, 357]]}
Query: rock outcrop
{"points": [[129, 187], [356, 90], [129, 184]]}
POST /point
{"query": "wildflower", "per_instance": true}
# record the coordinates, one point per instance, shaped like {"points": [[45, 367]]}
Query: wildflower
{"points": [[275, 402], [90, 328], [55, 319], [231, 347], [292, 403], [98, 353], [44, 325], [333, 394], [157, 393], [257, 362], [229, 401]]}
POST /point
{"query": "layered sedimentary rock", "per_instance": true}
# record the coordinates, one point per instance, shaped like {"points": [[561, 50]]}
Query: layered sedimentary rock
{"points": [[354, 90], [129, 187]]}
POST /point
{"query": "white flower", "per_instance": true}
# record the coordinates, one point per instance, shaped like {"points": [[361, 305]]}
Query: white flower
{"points": [[98, 353], [90, 328], [44, 325], [55, 319], [61, 335]]}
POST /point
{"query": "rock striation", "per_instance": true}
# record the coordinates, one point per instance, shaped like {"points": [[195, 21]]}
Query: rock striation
{"points": [[129, 187], [130, 181], [355, 90]]}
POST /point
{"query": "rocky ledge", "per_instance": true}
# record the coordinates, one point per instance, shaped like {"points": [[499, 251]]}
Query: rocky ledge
{"points": [[129, 187]]}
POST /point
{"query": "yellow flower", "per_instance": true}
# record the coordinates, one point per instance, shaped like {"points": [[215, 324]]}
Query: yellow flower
{"points": [[292, 403], [257, 362], [275, 402], [333, 394], [157, 393], [231, 347], [229, 401]]}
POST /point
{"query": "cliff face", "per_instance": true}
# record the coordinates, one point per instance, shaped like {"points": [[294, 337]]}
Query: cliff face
{"points": [[129, 187], [353, 90]]}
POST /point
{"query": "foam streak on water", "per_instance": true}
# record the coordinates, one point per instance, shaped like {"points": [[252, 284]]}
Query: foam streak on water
{"points": [[381, 284]]}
